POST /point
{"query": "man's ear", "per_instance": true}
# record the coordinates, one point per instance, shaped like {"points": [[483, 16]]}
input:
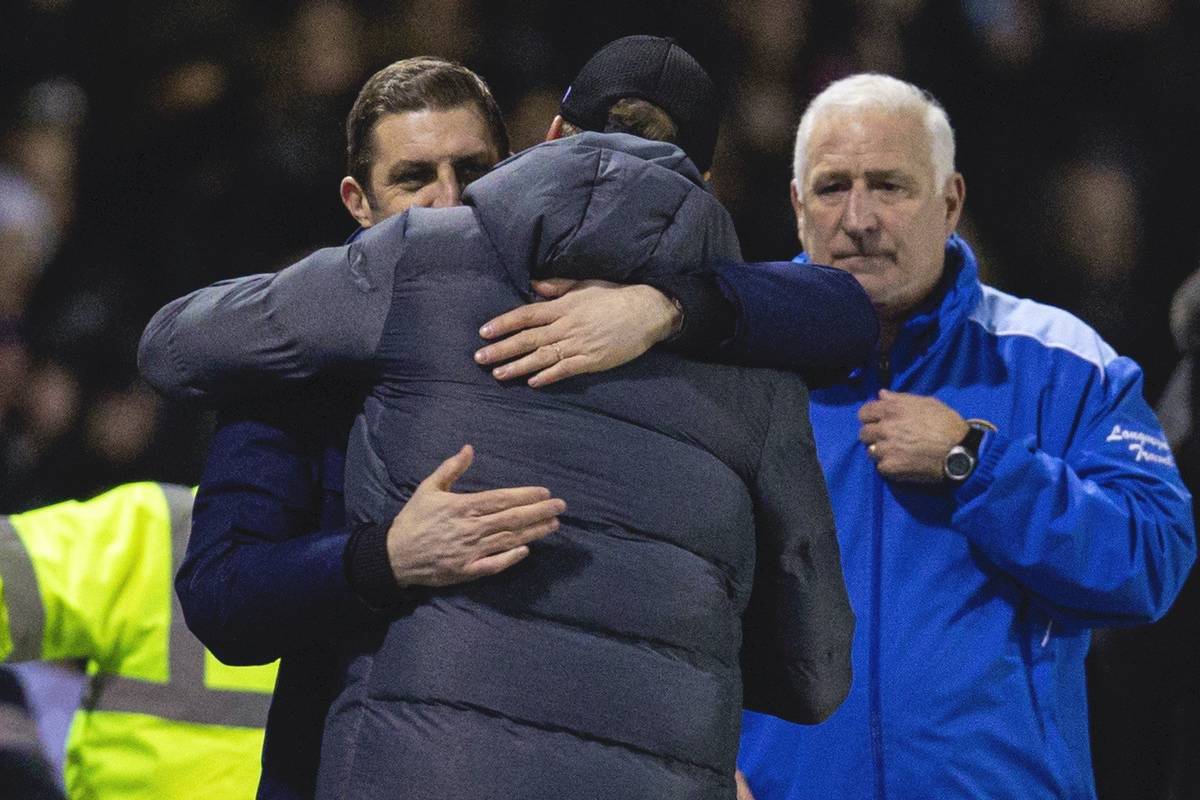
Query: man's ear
{"points": [[955, 195], [797, 208], [354, 198], [555, 131]]}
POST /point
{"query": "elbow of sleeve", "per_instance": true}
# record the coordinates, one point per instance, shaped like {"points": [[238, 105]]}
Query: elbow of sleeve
{"points": [[237, 656], [811, 704], [1169, 554], [1148, 593], [821, 696], [231, 647], [156, 366], [831, 700], [161, 357], [822, 682], [804, 695], [1176, 571], [221, 632], [204, 628], [150, 362]]}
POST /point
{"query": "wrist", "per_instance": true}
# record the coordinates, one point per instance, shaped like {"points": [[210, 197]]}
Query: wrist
{"points": [[369, 569], [706, 317], [665, 310], [675, 317], [962, 458]]}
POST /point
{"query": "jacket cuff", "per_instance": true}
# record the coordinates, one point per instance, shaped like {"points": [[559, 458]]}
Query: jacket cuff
{"points": [[992, 448], [708, 317], [369, 571]]}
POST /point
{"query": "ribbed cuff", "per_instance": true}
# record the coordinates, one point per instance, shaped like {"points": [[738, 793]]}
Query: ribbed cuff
{"points": [[708, 317], [992, 448], [369, 570]]}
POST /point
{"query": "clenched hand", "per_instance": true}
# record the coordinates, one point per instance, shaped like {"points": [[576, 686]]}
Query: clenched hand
{"points": [[909, 435], [441, 537], [588, 326]]}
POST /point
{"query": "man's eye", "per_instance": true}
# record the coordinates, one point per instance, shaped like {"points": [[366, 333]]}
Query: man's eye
{"points": [[468, 174], [829, 188], [410, 182]]}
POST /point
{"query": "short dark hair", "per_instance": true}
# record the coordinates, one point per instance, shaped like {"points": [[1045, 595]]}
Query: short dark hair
{"points": [[639, 117], [416, 84]]}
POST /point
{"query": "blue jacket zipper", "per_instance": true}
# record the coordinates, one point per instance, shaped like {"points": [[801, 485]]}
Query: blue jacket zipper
{"points": [[875, 715]]}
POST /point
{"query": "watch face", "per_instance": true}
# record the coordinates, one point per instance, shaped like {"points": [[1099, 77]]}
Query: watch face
{"points": [[959, 464]]}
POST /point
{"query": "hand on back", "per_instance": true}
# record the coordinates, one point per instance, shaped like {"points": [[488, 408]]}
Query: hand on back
{"points": [[442, 537], [584, 326]]}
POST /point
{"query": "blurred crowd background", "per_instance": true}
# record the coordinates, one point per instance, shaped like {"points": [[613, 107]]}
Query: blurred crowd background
{"points": [[148, 147]]}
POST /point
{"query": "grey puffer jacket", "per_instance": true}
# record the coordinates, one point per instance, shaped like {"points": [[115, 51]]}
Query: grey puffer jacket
{"points": [[697, 551]]}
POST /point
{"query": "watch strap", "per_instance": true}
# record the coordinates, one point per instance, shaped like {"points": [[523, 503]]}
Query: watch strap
{"points": [[972, 440]]}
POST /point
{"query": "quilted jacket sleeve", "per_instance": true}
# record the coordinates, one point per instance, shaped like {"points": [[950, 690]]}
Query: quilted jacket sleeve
{"points": [[323, 313]]}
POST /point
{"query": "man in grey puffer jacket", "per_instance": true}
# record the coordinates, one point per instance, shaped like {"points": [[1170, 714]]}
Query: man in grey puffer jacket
{"points": [[697, 552]]}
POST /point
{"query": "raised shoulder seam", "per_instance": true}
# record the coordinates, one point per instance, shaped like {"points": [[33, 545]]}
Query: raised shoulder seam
{"points": [[368, 271], [662, 234], [1001, 314], [602, 156]]}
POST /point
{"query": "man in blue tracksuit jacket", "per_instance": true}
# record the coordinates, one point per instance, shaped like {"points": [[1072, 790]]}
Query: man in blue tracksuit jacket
{"points": [[999, 483]]}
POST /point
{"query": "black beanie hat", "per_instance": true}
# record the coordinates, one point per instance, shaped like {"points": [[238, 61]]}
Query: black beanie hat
{"points": [[655, 69]]}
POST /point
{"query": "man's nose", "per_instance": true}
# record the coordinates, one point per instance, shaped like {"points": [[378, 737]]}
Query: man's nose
{"points": [[860, 215], [448, 191]]}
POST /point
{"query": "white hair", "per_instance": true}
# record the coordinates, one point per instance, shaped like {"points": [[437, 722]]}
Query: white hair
{"points": [[870, 90]]}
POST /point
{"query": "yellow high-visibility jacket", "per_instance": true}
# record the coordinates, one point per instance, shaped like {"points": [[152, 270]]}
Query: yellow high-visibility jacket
{"points": [[162, 719]]}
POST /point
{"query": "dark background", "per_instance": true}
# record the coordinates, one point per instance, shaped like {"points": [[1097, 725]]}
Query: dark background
{"points": [[153, 146]]}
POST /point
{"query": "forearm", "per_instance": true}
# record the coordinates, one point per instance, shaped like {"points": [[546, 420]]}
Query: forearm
{"points": [[263, 572], [809, 318], [812, 319], [251, 603], [324, 313], [202, 345]]}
